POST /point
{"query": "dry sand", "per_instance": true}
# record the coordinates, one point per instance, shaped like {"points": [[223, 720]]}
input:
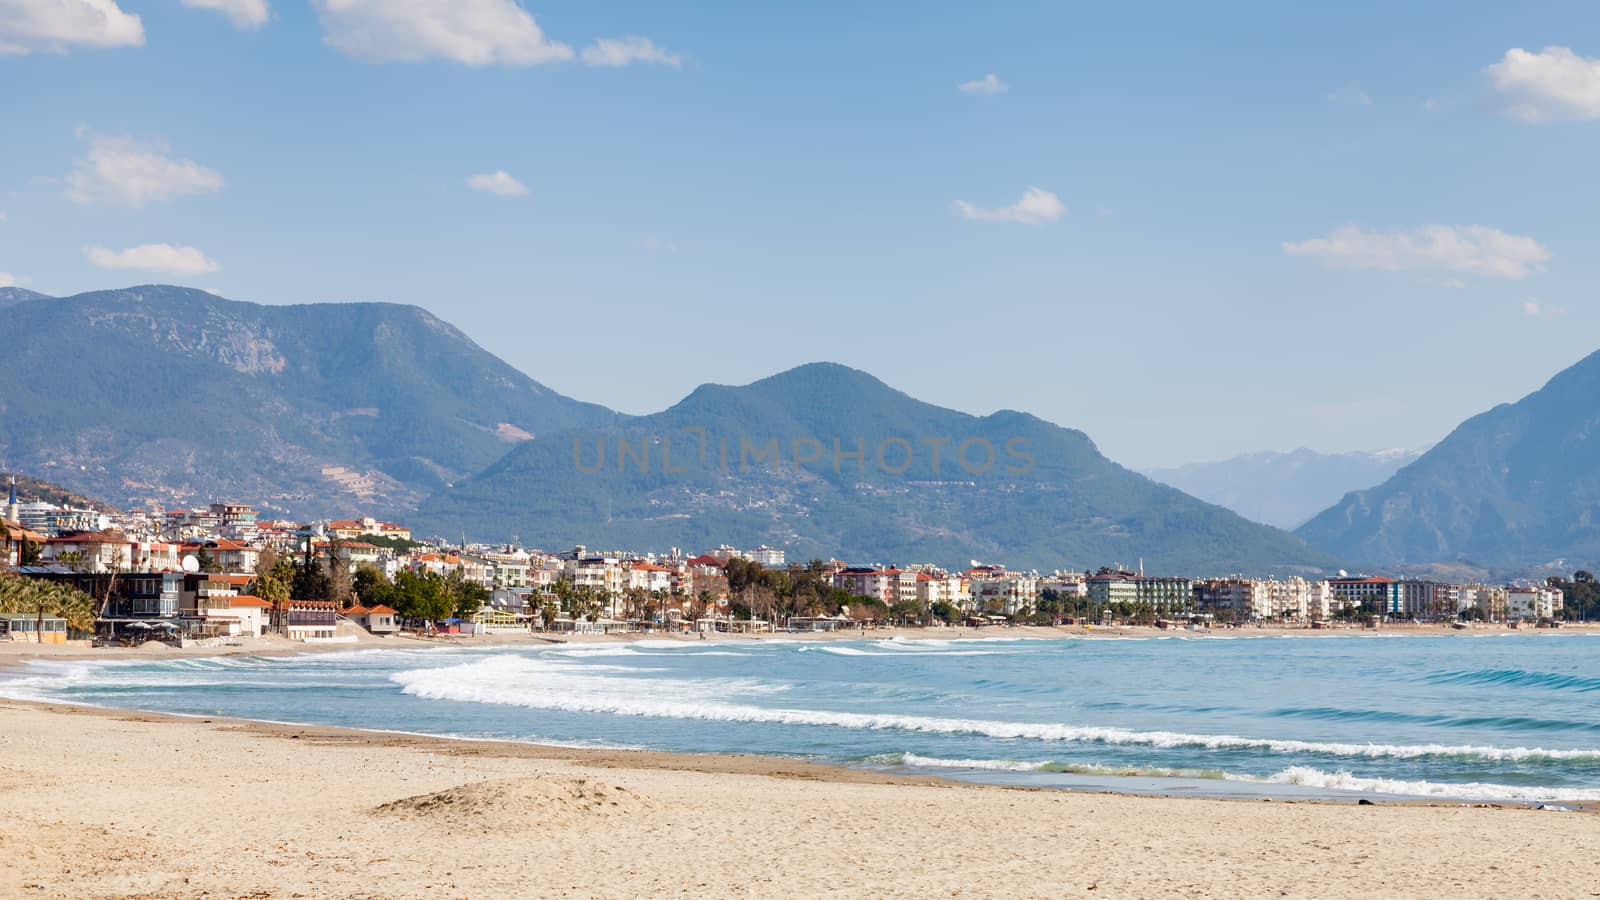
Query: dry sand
{"points": [[99, 803]]}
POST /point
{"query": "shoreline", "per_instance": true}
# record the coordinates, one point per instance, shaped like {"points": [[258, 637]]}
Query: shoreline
{"points": [[279, 810], [14, 652], [724, 763], [1093, 780]]}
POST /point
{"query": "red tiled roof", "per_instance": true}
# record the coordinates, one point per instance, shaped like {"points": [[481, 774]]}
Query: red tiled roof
{"points": [[248, 600]]}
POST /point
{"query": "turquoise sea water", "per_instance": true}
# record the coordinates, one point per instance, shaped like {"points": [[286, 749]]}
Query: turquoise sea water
{"points": [[1505, 717]]}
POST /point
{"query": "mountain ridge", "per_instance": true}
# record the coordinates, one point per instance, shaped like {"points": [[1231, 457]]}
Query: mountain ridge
{"points": [[1514, 489], [824, 459], [316, 409], [1283, 488]]}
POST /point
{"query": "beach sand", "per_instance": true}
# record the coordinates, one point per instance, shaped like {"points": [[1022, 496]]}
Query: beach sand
{"points": [[97, 803]]}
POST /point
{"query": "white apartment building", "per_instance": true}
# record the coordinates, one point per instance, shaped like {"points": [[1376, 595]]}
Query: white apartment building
{"points": [[768, 557]]}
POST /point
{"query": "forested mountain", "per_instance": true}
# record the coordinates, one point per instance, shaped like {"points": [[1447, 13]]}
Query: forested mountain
{"points": [[162, 395], [824, 460], [1513, 489]]}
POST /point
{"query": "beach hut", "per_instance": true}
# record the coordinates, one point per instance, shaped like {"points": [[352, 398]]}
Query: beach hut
{"points": [[31, 628]]}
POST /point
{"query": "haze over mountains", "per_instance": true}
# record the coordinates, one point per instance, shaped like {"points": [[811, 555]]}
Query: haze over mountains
{"points": [[1284, 489], [826, 460], [1514, 488], [165, 395]]}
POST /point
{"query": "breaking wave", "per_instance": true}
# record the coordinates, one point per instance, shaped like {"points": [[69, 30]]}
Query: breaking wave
{"points": [[517, 681]]}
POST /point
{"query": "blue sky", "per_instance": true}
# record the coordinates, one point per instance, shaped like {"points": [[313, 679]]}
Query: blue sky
{"points": [[1250, 226]]}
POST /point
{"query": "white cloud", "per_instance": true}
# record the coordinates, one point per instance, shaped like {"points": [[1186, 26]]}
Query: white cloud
{"points": [[1466, 249], [1554, 83], [167, 258], [242, 13], [497, 182], [1534, 309], [630, 49], [55, 25], [1036, 207], [987, 85], [120, 171], [473, 32], [8, 280]]}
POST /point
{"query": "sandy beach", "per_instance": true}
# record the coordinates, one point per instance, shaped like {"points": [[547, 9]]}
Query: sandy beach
{"points": [[101, 803]]}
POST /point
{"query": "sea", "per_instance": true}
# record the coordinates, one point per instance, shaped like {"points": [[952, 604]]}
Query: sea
{"points": [[1506, 717]]}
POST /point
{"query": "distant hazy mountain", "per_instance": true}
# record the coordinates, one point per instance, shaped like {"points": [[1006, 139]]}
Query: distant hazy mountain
{"points": [[1284, 489], [1515, 488], [168, 395], [10, 296], [1069, 506]]}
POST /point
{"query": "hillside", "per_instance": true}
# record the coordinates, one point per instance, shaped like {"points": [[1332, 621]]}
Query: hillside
{"points": [[162, 395], [1283, 489], [31, 489], [1513, 489], [1067, 507], [11, 296]]}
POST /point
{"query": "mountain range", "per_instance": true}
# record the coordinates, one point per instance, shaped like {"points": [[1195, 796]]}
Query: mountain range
{"points": [[1513, 489], [160, 395], [1283, 489], [825, 460]]}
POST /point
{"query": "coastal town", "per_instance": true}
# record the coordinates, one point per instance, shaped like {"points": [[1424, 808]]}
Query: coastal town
{"points": [[220, 572]]}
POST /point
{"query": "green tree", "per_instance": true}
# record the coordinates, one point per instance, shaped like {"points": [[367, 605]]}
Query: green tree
{"points": [[45, 598]]}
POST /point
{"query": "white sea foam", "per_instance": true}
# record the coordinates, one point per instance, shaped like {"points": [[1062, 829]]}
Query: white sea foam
{"points": [[1344, 781], [1302, 776], [995, 765], [519, 681]]}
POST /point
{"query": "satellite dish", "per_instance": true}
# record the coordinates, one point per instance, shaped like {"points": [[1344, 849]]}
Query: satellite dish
{"points": [[1343, 574], [190, 564]]}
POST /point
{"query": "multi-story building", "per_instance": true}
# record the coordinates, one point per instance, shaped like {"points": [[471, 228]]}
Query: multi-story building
{"points": [[235, 519], [1488, 601], [1111, 588], [1233, 599], [1539, 603], [1376, 593], [993, 589], [1064, 584], [648, 576], [865, 581], [768, 557]]}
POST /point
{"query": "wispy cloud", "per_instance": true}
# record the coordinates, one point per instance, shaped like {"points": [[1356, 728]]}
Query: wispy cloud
{"points": [[628, 50], [166, 258], [1037, 207], [471, 32], [1535, 309], [988, 85], [244, 14], [1553, 84], [497, 182], [121, 171], [1465, 249], [28, 26]]}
